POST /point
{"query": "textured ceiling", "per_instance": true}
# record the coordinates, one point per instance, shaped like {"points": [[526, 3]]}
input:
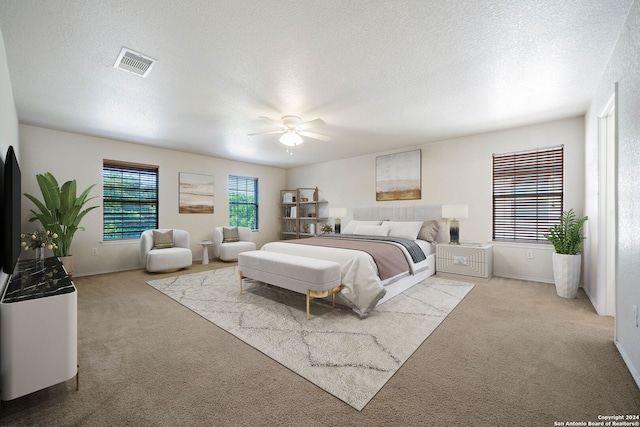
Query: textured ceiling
{"points": [[382, 74]]}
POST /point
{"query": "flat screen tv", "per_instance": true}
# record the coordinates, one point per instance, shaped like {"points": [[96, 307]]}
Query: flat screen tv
{"points": [[11, 208], [1, 212]]}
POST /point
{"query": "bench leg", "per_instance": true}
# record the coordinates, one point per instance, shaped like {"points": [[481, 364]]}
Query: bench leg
{"points": [[321, 294], [311, 294]]}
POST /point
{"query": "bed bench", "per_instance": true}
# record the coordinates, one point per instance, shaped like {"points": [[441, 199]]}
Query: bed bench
{"points": [[313, 277]]}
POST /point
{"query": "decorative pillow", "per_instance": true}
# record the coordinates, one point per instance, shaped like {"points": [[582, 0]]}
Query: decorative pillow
{"points": [[230, 235], [372, 230], [351, 227], [405, 229], [162, 240], [429, 231]]}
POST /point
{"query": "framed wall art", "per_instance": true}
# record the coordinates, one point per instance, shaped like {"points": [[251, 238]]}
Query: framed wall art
{"points": [[196, 193], [399, 176]]}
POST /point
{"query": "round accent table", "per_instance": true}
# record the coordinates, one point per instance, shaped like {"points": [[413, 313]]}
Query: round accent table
{"points": [[205, 250]]}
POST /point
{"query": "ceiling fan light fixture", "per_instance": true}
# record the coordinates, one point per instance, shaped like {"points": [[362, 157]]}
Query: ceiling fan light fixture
{"points": [[291, 138]]}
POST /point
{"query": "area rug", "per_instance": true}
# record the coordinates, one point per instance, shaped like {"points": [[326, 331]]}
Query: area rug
{"points": [[349, 357]]}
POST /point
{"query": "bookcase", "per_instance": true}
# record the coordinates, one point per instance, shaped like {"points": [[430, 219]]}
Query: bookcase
{"points": [[301, 213]]}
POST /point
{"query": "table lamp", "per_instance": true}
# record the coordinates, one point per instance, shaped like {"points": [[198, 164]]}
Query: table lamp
{"points": [[455, 213], [337, 213]]}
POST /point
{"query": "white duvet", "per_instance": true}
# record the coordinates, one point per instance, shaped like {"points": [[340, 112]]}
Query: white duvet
{"points": [[359, 272]]}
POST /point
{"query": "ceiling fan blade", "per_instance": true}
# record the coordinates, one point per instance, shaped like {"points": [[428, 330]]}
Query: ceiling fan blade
{"points": [[311, 124], [315, 135], [267, 133], [274, 121]]}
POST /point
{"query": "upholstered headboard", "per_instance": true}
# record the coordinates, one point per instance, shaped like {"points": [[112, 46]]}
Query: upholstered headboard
{"points": [[404, 213]]}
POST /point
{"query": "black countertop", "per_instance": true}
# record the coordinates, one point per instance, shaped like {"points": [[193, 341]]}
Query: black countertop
{"points": [[27, 283]]}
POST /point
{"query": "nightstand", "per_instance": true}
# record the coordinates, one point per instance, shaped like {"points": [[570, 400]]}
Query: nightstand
{"points": [[465, 260]]}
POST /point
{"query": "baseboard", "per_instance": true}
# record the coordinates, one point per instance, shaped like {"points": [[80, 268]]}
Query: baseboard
{"points": [[463, 277], [593, 302], [634, 373], [109, 271], [518, 277]]}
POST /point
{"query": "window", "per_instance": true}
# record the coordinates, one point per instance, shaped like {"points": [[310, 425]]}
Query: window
{"points": [[527, 194], [130, 198], [243, 201]]}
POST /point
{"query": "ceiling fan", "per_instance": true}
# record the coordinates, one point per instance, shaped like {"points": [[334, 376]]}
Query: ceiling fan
{"points": [[292, 130]]}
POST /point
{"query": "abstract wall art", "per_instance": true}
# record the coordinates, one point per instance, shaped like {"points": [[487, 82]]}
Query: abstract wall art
{"points": [[196, 193], [399, 176]]}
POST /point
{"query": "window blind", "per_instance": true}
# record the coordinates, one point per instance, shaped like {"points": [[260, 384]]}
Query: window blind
{"points": [[243, 201], [527, 194], [130, 199]]}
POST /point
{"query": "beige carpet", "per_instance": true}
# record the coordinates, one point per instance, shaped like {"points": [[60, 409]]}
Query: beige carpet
{"points": [[349, 357], [511, 354]]}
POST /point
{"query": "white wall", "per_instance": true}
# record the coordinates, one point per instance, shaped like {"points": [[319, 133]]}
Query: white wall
{"points": [[622, 68], [460, 171], [73, 156], [8, 122], [8, 115]]}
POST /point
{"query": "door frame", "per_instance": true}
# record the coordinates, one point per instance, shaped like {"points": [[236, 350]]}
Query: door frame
{"points": [[607, 206]]}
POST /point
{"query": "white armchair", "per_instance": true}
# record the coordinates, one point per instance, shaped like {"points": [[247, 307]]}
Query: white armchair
{"points": [[164, 251], [227, 245]]}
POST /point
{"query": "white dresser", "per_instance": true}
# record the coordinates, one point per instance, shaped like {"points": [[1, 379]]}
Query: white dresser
{"points": [[38, 329], [465, 260]]}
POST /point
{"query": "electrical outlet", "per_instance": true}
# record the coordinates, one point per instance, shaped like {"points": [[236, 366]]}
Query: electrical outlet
{"points": [[635, 314], [94, 251], [529, 254]]}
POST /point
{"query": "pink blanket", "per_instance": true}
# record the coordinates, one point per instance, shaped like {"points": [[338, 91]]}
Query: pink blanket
{"points": [[389, 258]]}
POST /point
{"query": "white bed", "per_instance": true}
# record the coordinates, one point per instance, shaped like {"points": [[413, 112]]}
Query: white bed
{"points": [[363, 288]]}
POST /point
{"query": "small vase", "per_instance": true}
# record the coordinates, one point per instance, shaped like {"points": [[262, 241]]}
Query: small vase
{"points": [[39, 259]]}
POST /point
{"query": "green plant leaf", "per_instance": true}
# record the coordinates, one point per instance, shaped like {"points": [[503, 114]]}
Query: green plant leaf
{"points": [[82, 199], [566, 235], [67, 196], [61, 211], [39, 205], [50, 191], [81, 215]]}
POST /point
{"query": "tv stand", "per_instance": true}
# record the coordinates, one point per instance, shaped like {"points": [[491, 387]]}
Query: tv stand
{"points": [[38, 329]]}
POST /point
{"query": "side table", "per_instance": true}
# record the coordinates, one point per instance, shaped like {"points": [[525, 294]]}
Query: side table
{"points": [[465, 260], [205, 250]]}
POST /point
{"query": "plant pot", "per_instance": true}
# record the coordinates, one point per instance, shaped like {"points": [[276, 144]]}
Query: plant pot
{"points": [[67, 262], [566, 274]]}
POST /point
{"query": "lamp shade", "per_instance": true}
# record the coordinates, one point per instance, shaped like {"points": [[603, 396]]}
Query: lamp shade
{"points": [[455, 211], [291, 138], [337, 212]]}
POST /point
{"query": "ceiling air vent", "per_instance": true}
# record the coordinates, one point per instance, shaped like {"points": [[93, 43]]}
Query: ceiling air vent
{"points": [[134, 62]]}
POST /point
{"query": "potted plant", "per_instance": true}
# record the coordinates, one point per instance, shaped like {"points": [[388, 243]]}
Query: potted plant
{"points": [[566, 237], [60, 213]]}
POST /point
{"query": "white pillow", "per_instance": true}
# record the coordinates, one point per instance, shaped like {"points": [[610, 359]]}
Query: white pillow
{"points": [[405, 229], [351, 227], [372, 230]]}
